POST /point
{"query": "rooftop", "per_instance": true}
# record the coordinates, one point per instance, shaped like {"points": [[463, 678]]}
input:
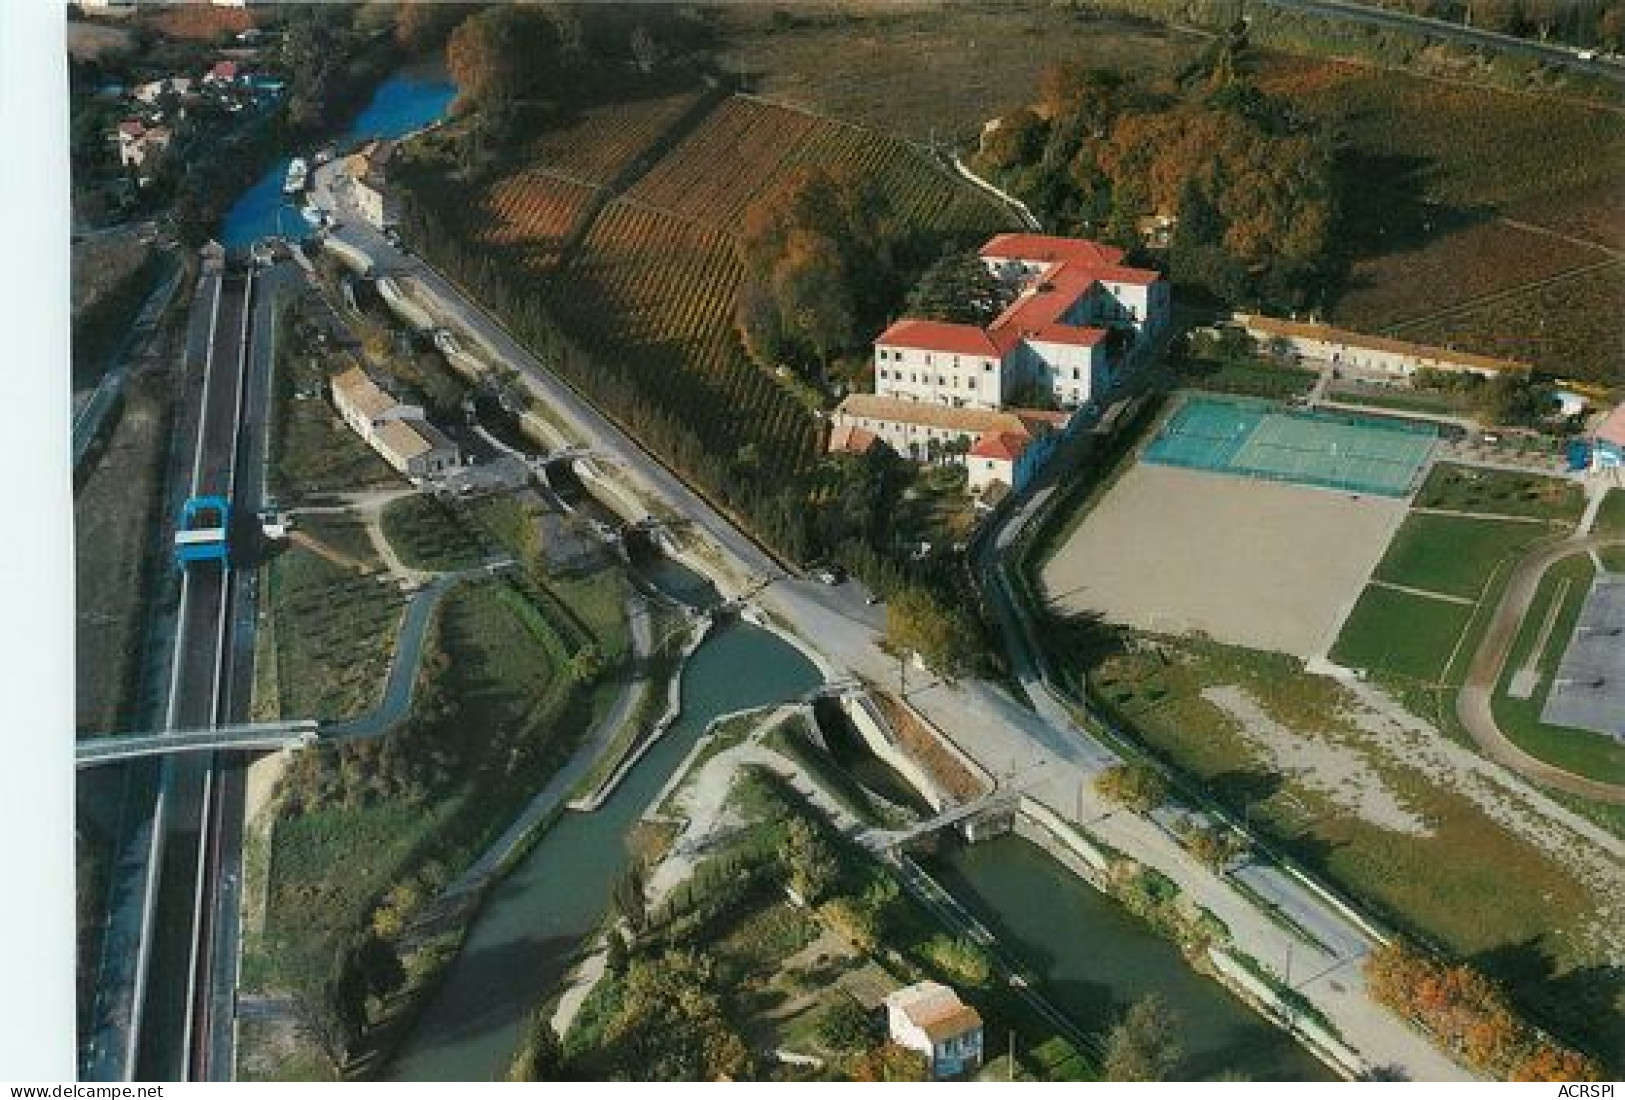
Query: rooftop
{"points": [[1309, 330], [1025, 422], [1612, 428], [407, 439], [354, 387], [935, 1009]]}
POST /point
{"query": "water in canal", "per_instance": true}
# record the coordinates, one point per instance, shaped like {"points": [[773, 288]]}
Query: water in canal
{"points": [[526, 935], [407, 101], [1097, 958]]}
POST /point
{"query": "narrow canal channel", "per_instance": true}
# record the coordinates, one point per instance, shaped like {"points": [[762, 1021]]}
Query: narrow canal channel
{"points": [[1096, 958], [531, 926]]}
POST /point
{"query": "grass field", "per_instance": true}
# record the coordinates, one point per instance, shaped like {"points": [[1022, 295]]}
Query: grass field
{"points": [[1249, 378], [311, 450], [1385, 397], [1611, 514], [1400, 633], [1500, 493], [426, 534], [335, 634], [1453, 555], [1449, 883], [1579, 751]]}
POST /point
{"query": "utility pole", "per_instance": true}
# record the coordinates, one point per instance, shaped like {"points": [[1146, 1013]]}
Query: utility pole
{"points": [[1010, 1069]]}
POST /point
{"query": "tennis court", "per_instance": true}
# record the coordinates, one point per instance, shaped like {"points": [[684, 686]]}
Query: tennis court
{"points": [[1329, 450]]}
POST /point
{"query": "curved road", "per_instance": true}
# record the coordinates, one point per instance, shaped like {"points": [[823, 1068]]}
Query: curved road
{"points": [[1473, 703]]}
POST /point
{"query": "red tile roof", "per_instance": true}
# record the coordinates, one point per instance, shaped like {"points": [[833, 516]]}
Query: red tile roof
{"points": [[1612, 429], [939, 336], [1001, 445], [224, 70], [1040, 246], [850, 439], [1077, 335]]}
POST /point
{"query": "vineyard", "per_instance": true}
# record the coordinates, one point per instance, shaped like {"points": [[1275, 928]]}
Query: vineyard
{"points": [[713, 173], [601, 142], [658, 294], [532, 212]]}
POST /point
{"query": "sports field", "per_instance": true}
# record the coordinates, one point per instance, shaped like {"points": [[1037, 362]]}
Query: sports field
{"points": [[1329, 451], [1252, 563]]}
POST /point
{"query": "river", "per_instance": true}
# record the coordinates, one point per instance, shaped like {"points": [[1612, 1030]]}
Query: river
{"points": [[407, 101]]}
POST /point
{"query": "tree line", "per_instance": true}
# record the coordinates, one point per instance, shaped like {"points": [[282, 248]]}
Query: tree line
{"points": [[1247, 185]]}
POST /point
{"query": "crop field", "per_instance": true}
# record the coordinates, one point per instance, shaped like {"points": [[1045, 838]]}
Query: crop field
{"points": [[533, 211], [600, 142], [931, 69], [1570, 328], [1452, 162]]}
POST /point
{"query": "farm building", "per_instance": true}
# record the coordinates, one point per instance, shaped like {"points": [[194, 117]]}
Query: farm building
{"points": [[1372, 353], [1072, 296], [1608, 441], [930, 1018], [994, 445], [397, 431]]}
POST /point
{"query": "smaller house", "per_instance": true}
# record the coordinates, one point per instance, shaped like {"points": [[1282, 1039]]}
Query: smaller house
{"points": [[223, 73], [397, 431], [1362, 351], [368, 169], [1608, 441], [154, 90], [930, 1018]]}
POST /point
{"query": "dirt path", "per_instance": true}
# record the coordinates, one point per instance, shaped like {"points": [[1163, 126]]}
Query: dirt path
{"points": [[321, 549], [1473, 704]]}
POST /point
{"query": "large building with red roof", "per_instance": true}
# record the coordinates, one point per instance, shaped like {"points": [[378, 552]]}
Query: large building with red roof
{"points": [[1055, 338]]}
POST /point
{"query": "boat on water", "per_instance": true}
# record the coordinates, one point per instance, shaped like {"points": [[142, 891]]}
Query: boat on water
{"points": [[315, 215], [297, 173]]}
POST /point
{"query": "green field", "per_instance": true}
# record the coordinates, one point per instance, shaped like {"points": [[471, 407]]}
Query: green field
{"points": [[1397, 632], [1500, 492], [1453, 555], [427, 535], [1611, 515], [1247, 377], [1579, 751]]}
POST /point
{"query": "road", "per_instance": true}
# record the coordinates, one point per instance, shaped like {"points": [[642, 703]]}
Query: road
{"points": [[1349, 11], [1474, 703]]}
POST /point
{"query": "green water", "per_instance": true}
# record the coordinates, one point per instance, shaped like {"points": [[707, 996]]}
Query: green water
{"points": [[1096, 958], [527, 935]]}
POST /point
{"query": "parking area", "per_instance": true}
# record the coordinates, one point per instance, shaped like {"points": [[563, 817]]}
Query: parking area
{"points": [[1589, 690], [1262, 564]]}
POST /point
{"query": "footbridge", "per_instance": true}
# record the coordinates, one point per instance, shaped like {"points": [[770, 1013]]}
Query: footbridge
{"points": [[258, 736], [995, 803]]}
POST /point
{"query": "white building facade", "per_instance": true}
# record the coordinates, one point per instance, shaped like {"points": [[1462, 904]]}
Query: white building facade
{"points": [[928, 1017]]}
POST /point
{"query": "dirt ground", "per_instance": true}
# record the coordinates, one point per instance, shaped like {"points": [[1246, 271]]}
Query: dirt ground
{"points": [[1253, 563]]}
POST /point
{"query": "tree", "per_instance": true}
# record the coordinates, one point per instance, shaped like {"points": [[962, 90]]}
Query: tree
{"points": [[858, 923], [843, 1026], [916, 622], [813, 867], [503, 56], [1214, 845], [541, 1058], [617, 955], [670, 1024], [890, 1062], [959, 288], [959, 958], [811, 289], [629, 898], [586, 664], [1142, 1046], [1138, 786], [421, 27]]}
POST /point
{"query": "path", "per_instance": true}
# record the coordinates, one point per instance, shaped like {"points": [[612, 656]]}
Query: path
{"points": [[1425, 593], [1474, 703]]}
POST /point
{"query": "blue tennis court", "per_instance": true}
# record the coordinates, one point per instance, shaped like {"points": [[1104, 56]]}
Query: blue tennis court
{"points": [[1359, 454]]}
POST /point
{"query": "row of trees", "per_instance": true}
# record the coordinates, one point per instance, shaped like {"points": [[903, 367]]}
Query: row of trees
{"points": [[1249, 186], [1471, 1015], [1580, 22]]}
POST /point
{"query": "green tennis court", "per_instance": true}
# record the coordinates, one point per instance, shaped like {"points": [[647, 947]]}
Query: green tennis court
{"points": [[1359, 454]]}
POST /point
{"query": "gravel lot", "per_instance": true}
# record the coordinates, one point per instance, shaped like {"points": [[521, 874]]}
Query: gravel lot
{"points": [[1255, 563]]}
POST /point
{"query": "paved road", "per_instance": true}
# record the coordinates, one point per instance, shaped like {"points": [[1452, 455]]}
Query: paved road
{"points": [[1474, 702], [1350, 12]]}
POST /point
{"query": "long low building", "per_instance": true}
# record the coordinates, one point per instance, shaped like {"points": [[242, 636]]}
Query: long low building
{"points": [[399, 432], [1362, 351], [994, 445]]}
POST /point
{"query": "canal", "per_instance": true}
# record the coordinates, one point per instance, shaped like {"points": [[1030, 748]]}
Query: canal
{"points": [[1096, 958], [527, 934], [407, 101]]}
